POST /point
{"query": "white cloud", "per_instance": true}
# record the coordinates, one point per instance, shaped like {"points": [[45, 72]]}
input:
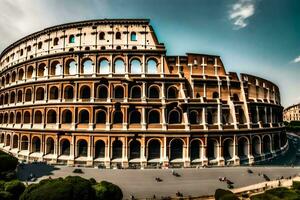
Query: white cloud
{"points": [[240, 12], [296, 60]]}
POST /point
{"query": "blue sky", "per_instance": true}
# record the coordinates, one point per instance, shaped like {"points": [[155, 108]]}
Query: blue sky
{"points": [[260, 37]]}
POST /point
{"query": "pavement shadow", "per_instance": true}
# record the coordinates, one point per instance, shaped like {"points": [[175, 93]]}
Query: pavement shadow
{"points": [[37, 169]]}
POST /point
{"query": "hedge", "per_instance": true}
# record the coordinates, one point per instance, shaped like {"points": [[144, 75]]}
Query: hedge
{"points": [[106, 190]]}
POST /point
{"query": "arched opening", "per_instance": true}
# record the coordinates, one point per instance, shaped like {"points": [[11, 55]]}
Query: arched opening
{"points": [[172, 93], [256, 151], [117, 149], [154, 117], [212, 149], [135, 117], [102, 92], [215, 95], [242, 116], [40, 94], [53, 92], [84, 117], [119, 92], [2, 138], [154, 92], [26, 117], [55, 41], [118, 35], [104, 67], [38, 117], [266, 144], [51, 117], [20, 96], [119, 66], [193, 117], [41, 70], [174, 117], [85, 92], [6, 98], [7, 79], [5, 118], [50, 146], [24, 143], [153, 149], [36, 144], [226, 117], [135, 92], [243, 147], [21, 74], [228, 149], [28, 95], [68, 94], [151, 66], [99, 149], [11, 118], [55, 69], [195, 149], [18, 118], [176, 149], [253, 115], [15, 142], [118, 117], [134, 149], [101, 117], [87, 67], [82, 148], [71, 39], [67, 117], [29, 72], [7, 140], [71, 68], [262, 115], [212, 116], [133, 36], [13, 77], [65, 147], [135, 66], [101, 36]]}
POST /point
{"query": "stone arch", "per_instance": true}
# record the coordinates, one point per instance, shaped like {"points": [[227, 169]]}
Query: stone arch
{"points": [[12, 97], [154, 117], [11, 118], [18, 118], [154, 148], [24, 143], [53, 92], [2, 138], [6, 118], [84, 116], [152, 66], [20, 96], [40, 94], [7, 140], [65, 147], [51, 117], [135, 66], [228, 147], [117, 149], [29, 72], [256, 146], [67, 116], [36, 144], [55, 68], [28, 95], [134, 149], [69, 92], [100, 117], [119, 66], [99, 149], [71, 67], [27, 117], [119, 92], [21, 74], [13, 77], [135, 92], [41, 70], [176, 148], [87, 66], [50, 145], [172, 92], [85, 92], [154, 92], [174, 117], [82, 148], [102, 92], [38, 117], [15, 142], [117, 117], [103, 66], [243, 144], [267, 144], [212, 149], [196, 149], [135, 117], [194, 117]]}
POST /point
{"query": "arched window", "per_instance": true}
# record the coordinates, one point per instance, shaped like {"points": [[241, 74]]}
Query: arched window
{"points": [[176, 149], [18, 118], [119, 92], [65, 147], [13, 77], [55, 69], [119, 66], [21, 74], [84, 117], [154, 92], [7, 79], [85, 92], [12, 97], [41, 70], [38, 117], [102, 92], [172, 93], [24, 143], [133, 36], [135, 92], [154, 117], [101, 117], [82, 148], [117, 147], [11, 118], [68, 94], [15, 142], [215, 95], [134, 149], [40, 45], [50, 146], [71, 68], [55, 41], [67, 117], [5, 118], [104, 67], [135, 66], [118, 35], [26, 117], [193, 117], [99, 149], [29, 48], [87, 67], [36, 144], [174, 117], [6, 98], [71, 39], [118, 117], [53, 92], [102, 36], [29, 72], [28, 95], [51, 117], [135, 117], [154, 149], [40, 94]]}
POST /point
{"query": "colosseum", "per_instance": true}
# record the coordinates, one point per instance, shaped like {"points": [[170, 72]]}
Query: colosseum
{"points": [[292, 113], [105, 93]]}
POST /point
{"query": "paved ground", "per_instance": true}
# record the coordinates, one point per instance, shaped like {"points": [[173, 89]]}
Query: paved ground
{"points": [[192, 182]]}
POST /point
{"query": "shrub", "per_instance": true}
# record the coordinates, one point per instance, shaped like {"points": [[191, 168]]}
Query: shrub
{"points": [[219, 193], [282, 192], [82, 188], [15, 187], [229, 197], [5, 196], [264, 196], [7, 163], [296, 185], [106, 190]]}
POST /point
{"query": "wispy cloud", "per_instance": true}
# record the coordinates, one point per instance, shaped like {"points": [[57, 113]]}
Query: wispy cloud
{"points": [[296, 60], [240, 12]]}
